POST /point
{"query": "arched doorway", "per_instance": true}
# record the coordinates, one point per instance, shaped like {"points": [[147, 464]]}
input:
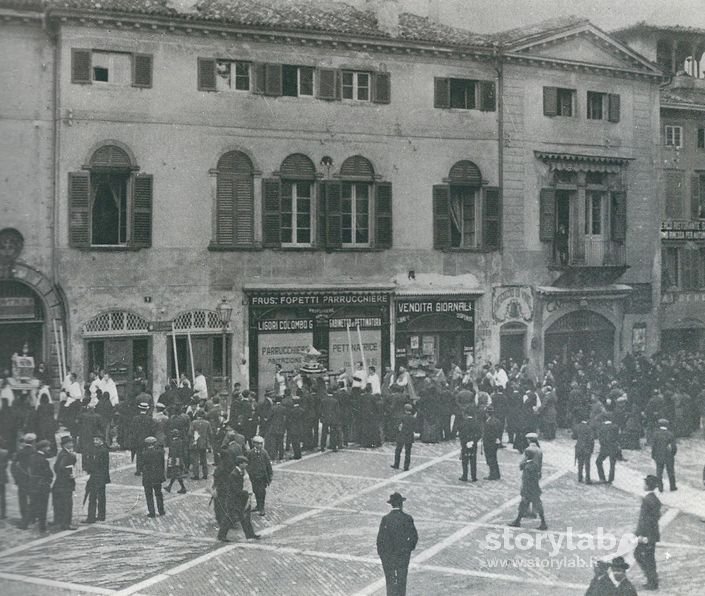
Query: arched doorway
{"points": [[512, 343], [21, 321], [580, 330]]}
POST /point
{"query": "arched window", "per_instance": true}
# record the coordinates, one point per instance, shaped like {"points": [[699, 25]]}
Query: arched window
{"points": [[466, 215], [356, 201], [235, 202], [110, 205]]}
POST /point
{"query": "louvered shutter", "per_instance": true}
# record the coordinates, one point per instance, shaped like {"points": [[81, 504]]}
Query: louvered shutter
{"points": [[488, 96], [225, 209], [328, 83], [273, 80], [81, 66], [695, 196], [244, 210], [690, 265], [613, 107], [547, 223], [674, 194], [141, 70], [441, 93], [491, 218], [206, 74], [334, 223], [259, 71], [383, 215], [79, 206], [619, 216], [441, 216], [271, 213], [382, 89], [142, 212], [550, 101]]}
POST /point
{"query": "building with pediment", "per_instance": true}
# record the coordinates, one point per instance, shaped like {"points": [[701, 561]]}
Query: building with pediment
{"points": [[326, 167]]}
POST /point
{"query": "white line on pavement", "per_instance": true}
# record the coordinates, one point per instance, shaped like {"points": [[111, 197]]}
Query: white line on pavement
{"points": [[50, 583]]}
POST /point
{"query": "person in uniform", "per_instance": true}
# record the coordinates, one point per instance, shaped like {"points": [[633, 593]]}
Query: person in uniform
{"points": [[608, 435], [470, 433], [98, 467], [64, 485], [396, 538], [612, 581], [647, 532], [153, 475], [260, 471], [405, 437], [663, 452], [20, 470], [530, 490], [491, 440], [40, 477], [584, 446]]}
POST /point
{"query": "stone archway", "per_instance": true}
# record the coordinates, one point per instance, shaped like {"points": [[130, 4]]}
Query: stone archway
{"points": [[584, 330]]}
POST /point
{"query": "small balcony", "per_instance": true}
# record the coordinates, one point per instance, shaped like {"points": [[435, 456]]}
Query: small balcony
{"points": [[588, 261]]}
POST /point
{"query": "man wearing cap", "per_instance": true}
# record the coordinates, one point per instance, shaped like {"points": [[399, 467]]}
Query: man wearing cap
{"points": [[648, 533], [160, 420], [40, 477], [584, 446], [663, 452], [98, 467], [470, 434], [64, 485], [142, 427], [153, 475], [295, 426], [260, 471], [491, 440], [396, 538], [200, 440], [405, 437], [613, 581], [242, 497], [530, 490], [20, 472]]}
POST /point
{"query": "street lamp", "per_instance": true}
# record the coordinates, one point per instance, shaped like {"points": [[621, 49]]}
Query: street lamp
{"points": [[225, 311]]}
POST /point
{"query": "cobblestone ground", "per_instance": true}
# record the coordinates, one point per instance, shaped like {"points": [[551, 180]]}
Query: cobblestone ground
{"points": [[323, 511]]}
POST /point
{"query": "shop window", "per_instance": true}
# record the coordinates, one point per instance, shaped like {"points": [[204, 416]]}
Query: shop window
{"points": [[234, 201], [464, 94], [114, 68], [603, 106], [683, 268], [558, 101], [110, 205], [673, 136], [356, 85]]}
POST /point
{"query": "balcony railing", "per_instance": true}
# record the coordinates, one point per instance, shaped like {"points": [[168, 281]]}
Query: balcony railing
{"points": [[591, 252]]}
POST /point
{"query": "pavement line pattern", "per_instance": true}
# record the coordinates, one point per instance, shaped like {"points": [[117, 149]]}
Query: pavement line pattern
{"points": [[145, 532], [50, 583]]}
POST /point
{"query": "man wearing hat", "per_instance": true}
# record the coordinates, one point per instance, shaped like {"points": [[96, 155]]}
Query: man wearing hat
{"points": [[64, 485], [396, 538], [160, 420], [241, 498], [663, 452], [40, 477], [142, 427], [20, 472], [584, 446], [491, 440], [330, 421], [98, 467], [405, 437], [200, 440], [608, 435], [612, 581], [530, 490], [260, 471], [153, 475], [648, 533], [470, 433]]}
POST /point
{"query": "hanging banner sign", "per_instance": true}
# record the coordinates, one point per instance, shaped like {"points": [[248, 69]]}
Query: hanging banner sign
{"points": [[16, 308]]}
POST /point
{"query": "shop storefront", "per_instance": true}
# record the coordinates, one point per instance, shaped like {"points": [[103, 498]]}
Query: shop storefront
{"points": [[283, 323], [434, 330]]}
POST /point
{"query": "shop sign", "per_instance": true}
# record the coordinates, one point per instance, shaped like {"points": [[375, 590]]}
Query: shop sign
{"points": [[354, 322], [285, 349], [461, 309], [298, 299], [339, 348], [284, 325], [683, 297], [16, 308], [682, 230], [512, 303]]}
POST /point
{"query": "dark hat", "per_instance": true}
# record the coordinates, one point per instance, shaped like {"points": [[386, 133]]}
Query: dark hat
{"points": [[99, 437], [241, 459], [43, 444], [66, 439], [396, 499], [200, 414], [651, 481], [619, 563]]}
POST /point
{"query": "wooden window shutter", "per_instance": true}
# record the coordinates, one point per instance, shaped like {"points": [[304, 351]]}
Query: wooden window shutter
{"points": [[674, 194], [142, 212], [491, 218], [332, 196], [259, 72], [79, 207], [701, 202], [328, 84], [441, 216], [382, 87], [488, 96], [613, 107], [695, 196], [244, 210], [547, 224], [273, 79], [225, 209], [618, 223], [701, 138], [81, 61], [441, 93], [550, 101], [318, 235], [142, 70], [271, 213], [206, 74], [690, 261], [383, 215]]}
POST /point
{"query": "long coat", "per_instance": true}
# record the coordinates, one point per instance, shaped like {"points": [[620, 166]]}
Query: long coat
{"points": [[153, 466], [397, 537], [663, 448], [63, 468], [530, 474], [649, 515], [97, 464]]}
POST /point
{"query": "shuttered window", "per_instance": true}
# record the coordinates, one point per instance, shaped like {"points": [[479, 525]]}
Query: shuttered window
{"points": [[116, 68], [674, 194], [547, 207], [464, 94], [618, 216], [234, 212], [558, 101]]}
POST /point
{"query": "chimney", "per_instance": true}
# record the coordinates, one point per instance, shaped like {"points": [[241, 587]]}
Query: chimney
{"points": [[387, 14]]}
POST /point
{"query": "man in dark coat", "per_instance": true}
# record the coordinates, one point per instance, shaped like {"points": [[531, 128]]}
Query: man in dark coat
{"points": [[277, 428], [647, 533], [20, 470], [242, 497], [89, 425], [530, 490], [98, 467], [396, 538], [64, 485], [260, 470], [153, 475], [663, 452], [4, 458], [200, 440], [608, 435], [613, 581], [405, 437], [295, 426], [584, 446], [142, 427], [40, 477], [491, 440], [470, 434], [331, 422]]}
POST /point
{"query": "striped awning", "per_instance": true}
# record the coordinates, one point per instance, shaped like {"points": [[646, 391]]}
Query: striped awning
{"points": [[576, 162]]}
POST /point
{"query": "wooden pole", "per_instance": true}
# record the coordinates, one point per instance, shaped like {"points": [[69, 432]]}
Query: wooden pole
{"points": [[58, 353], [190, 353], [62, 343], [176, 357], [350, 350], [362, 352]]}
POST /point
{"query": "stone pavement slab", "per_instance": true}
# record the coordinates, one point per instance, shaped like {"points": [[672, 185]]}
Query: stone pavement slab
{"points": [[311, 489], [345, 462]]}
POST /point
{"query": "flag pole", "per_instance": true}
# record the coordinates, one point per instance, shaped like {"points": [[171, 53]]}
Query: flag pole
{"points": [[362, 352], [176, 357], [350, 351]]}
